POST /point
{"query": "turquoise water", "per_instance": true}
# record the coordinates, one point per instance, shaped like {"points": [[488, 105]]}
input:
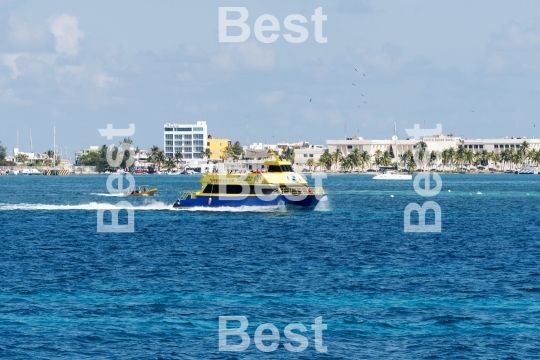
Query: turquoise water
{"points": [[471, 291]]}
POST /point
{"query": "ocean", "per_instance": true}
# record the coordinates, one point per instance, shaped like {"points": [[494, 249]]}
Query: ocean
{"points": [[470, 291]]}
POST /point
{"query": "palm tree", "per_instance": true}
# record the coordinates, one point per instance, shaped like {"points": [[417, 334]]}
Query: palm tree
{"points": [[310, 163], [364, 159], [411, 165], [421, 146], [451, 157], [159, 158], [386, 159], [356, 157], [433, 157], [206, 153], [170, 163], [326, 160], [178, 157], [337, 156], [229, 152], [378, 154]]}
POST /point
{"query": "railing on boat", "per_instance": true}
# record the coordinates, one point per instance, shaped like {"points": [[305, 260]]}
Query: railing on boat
{"points": [[282, 191]]}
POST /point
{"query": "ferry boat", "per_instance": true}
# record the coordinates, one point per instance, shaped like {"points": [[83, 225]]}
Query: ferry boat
{"points": [[277, 185]]}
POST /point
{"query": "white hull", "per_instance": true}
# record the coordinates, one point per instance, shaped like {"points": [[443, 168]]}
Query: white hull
{"points": [[392, 176], [13, 172], [33, 172]]}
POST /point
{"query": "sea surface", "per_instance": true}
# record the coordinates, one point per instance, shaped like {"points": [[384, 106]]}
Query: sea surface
{"points": [[471, 291]]}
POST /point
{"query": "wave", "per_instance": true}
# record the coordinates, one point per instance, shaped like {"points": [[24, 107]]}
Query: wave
{"points": [[156, 205], [276, 208], [90, 206], [108, 194]]}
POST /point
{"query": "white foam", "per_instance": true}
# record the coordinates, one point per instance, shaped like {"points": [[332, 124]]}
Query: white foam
{"points": [[154, 205], [276, 208], [91, 206], [108, 194]]}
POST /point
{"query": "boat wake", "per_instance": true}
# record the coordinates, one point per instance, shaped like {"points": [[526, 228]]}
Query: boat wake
{"points": [[108, 194], [91, 206], [154, 205], [276, 208]]}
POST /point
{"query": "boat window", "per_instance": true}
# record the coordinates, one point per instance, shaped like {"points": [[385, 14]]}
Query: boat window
{"points": [[234, 189], [286, 168], [274, 168]]}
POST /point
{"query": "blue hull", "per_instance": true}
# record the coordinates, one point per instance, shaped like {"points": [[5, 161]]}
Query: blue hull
{"points": [[304, 201]]}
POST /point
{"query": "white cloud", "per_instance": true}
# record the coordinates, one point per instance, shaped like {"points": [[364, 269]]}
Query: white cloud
{"points": [[26, 35], [271, 98], [247, 55], [513, 37], [10, 60], [65, 29], [101, 80]]}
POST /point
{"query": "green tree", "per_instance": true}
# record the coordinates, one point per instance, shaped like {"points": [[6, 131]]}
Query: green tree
{"points": [[237, 150], [433, 157], [160, 158], [288, 154], [206, 153], [170, 164], [337, 155], [326, 160], [310, 163], [411, 165], [22, 158], [421, 146], [364, 159], [2, 153], [178, 157]]}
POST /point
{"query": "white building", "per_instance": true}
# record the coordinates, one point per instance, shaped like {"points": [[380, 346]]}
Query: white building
{"points": [[302, 156], [79, 153], [29, 155], [188, 139]]}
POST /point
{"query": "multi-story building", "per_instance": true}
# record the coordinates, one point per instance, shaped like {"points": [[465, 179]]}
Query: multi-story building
{"points": [[188, 139], [218, 147], [302, 156], [79, 153]]}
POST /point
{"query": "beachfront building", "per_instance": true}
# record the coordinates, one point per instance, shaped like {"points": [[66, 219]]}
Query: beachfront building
{"points": [[188, 139], [302, 157], [218, 147], [437, 143], [79, 153], [371, 146]]}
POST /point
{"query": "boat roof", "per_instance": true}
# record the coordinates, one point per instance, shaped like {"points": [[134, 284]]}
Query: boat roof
{"points": [[277, 161]]}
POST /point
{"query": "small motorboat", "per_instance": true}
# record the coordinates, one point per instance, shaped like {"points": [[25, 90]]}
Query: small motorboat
{"points": [[142, 191]]}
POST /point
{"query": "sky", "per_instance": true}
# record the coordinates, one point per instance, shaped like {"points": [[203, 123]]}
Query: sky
{"points": [[472, 66]]}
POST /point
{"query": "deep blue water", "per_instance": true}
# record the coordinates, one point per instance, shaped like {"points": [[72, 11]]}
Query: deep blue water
{"points": [[471, 291]]}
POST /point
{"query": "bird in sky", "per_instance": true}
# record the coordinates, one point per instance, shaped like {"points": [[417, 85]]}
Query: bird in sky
{"points": [[354, 84], [362, 94], [364, 74], [355, 70], [358, 105], [365, 102], [310, 99], [472, 110]]}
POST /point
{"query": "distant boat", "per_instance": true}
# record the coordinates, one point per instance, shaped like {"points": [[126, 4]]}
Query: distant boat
{"points": [[32, 172], [393, 175], [13, 172]]}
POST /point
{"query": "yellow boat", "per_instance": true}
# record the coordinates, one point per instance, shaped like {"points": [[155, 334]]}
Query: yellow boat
{"points": [[142, 191], [277, 184]]}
